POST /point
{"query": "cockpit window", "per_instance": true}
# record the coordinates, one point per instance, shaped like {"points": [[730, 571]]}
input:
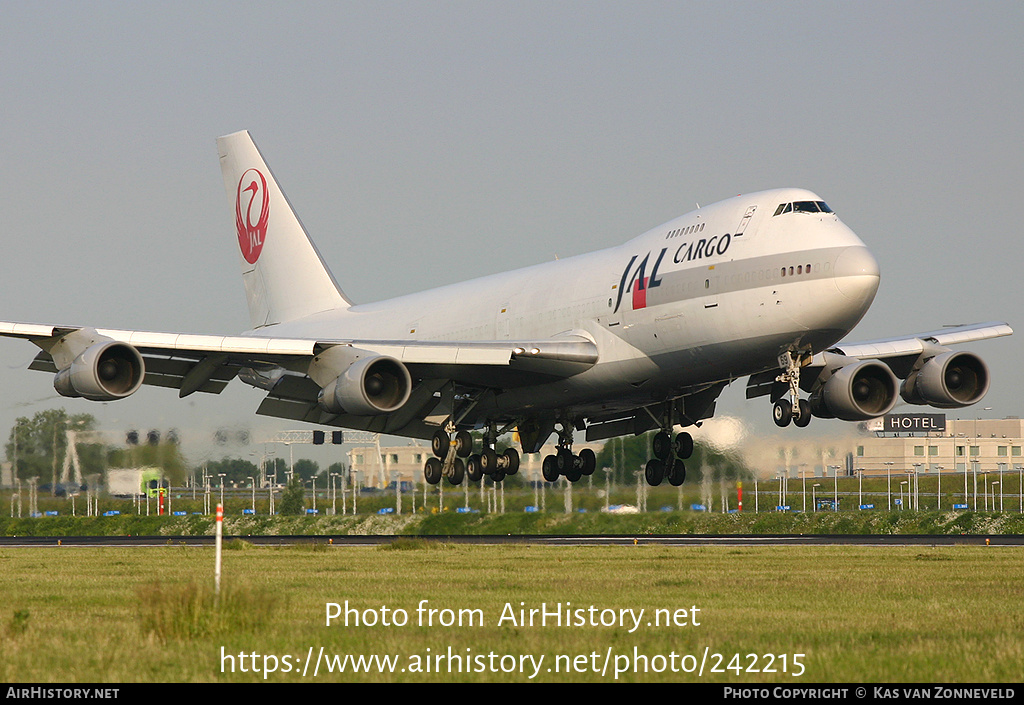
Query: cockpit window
{"points": [[803, 207]]}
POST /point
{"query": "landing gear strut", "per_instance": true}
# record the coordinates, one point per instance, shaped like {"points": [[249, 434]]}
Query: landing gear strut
{"points": [[451, 446], [564, 462], [669, 454], [793, 409], [449, 451], [669, 457]]}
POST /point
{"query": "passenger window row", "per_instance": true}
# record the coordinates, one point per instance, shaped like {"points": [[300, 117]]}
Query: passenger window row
{"points": [[696, 228], [800, 269]]}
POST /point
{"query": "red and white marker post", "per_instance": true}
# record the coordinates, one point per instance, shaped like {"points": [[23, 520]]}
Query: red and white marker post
{"points": [[219, 536], [739, 494]]}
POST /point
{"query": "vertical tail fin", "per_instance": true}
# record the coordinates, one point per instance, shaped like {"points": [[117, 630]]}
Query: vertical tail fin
{"points": [[285, 278]]}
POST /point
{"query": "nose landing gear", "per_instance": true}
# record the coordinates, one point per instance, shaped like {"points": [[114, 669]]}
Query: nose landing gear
{"points": [[793, 409]]}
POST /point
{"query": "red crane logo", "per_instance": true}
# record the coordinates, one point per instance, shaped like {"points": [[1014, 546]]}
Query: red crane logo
{"points": [[251, 236]]}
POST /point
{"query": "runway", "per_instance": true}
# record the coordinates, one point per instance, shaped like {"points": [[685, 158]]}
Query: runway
{"points": [[535, 540]]}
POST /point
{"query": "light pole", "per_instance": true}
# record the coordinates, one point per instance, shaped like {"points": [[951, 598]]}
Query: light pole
{"points": [[974, 477], [1020, 487], [860, 488], [814, 495], [835, 487], [252, 483], [938, 490], [888, 482], [803, 479], [997, 482], [965, 480], [902, 502], [917, 486], [221, 476], [607, 489], [974, 463]]}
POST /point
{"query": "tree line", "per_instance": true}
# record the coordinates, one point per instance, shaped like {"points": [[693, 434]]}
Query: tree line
{"points": [[37, 447]]}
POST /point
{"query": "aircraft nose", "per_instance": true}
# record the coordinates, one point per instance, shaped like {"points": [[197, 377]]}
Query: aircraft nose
{"points": [[856, 274]]}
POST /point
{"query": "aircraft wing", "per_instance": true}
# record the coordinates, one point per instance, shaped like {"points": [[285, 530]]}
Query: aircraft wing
{"points": [[914, 345], [280, 366]]}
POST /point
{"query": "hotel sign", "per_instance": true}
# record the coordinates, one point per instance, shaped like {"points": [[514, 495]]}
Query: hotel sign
{"points": [[914, 423]]}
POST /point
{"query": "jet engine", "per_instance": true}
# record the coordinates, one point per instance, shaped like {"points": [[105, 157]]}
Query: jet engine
{"points": [[375, 384], [949, 381], [856, 392], [102, 372]]}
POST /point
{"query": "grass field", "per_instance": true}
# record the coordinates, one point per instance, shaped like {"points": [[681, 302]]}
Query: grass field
{"points": [[856, 614]]}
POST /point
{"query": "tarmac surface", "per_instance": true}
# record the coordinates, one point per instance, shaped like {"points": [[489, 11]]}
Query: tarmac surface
{"points": [[540, 540]]}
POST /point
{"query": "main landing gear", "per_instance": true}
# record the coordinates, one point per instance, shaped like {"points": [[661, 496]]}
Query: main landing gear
{"points": [[793, 409], [450, 447], [669, 457], [565, 463]]}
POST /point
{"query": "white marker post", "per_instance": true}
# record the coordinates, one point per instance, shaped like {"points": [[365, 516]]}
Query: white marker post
{"points": [[217, 542]]}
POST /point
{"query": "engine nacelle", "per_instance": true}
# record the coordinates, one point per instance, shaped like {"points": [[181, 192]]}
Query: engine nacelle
{"points": [[857, 392], [375, 384], [948, 381], [102, 372]]}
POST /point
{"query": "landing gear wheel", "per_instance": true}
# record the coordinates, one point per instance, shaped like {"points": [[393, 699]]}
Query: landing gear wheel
{"points": [[661, 445], [549, 468], [588, 461], [805, 414], [458, 472], [782, 413], [574, 473], [432, 470], [654, 472], [512, 460], [489, 461], [677, 474], [564, 461], [473, 470], [463, 444], [498, 475], [439, 443], [684, 446]]}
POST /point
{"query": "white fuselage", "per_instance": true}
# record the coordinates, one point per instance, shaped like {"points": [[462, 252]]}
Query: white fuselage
{"points": [[714, 295]]}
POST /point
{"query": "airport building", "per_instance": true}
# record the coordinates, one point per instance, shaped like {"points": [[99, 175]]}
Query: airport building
{"points": [[898, 443]]}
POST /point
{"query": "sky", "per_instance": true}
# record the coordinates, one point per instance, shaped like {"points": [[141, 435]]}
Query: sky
{"points": [[426, 143]]}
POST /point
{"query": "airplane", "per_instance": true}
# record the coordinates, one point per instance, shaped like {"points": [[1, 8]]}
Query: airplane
{"points": [[637, 337]]}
